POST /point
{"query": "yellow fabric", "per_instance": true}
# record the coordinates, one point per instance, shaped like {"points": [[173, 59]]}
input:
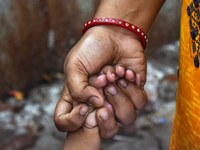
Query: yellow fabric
{"points": [[186, 127]]}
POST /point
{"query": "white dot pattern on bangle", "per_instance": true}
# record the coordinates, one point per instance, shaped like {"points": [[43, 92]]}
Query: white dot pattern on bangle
{"points": [[113, 21]]}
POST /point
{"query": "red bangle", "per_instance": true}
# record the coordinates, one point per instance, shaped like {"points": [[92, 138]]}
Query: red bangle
{"points": [[112, 21]]}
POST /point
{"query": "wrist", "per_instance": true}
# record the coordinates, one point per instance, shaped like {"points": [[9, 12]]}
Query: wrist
{"points": [[140, 13], [84, 139], [114, 36], [120, 23]]}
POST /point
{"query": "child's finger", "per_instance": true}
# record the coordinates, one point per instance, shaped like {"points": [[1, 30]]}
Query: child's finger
{"points": [[123, 108], [98, 81], [140, 68], [107, 124], [120, 70], [130, 75], [90, 121], [134, 93], [110, 73]]}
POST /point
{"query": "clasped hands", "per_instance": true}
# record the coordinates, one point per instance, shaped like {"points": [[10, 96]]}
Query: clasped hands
{"points": [[105, 74]]}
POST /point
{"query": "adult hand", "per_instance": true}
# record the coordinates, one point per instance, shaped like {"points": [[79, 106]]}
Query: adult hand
{"points": [[100, 46], [69, 117]]}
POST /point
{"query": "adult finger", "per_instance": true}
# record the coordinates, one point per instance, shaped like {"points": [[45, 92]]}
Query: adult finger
{"points": [[123, 108], [107, 124], [137, 95], [66, 117], [81, 91]]}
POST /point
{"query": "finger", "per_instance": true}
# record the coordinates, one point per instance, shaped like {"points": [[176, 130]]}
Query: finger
{"points": [[135, 94], [90, 121], [66, 117], [70, 121], [140, 68], [98, 81], [130, 75], [107, 124], [138, 80], [110, 73], [81, 91], [109, 106], [120, 70], [76, 76], [123, 107]]}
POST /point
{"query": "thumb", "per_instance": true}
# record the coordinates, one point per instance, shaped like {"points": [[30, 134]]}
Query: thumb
{"points": [[79, 88]]}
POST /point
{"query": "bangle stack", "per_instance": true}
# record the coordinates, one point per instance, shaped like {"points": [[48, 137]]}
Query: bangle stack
{"points": [[112, 21]]}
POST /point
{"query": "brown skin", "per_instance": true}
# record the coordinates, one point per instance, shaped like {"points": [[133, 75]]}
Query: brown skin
{"points": [[137, 57], [98, 47], [101, 46], [87, 139], [109, 45], [89, 132]]}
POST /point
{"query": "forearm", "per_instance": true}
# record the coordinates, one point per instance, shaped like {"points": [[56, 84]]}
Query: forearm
{"points": [[83, 139], [139, 12]]}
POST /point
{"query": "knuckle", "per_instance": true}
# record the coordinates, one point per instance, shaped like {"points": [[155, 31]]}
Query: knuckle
{"points": [[59, 126], [76, 96], [66, 125], [142, 103], [128, 119], [110, 134]]}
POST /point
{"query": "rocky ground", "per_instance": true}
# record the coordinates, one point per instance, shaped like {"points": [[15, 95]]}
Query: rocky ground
{"points": [[28, 124]]}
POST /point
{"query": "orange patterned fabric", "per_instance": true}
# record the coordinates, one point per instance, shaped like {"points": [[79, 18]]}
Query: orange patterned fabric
{"points": [[186, 127]]}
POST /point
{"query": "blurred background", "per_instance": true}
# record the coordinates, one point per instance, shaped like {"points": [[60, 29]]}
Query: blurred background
{"points": [[35, 37]]}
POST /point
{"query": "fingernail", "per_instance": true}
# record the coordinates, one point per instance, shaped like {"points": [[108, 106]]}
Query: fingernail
{"points": [[112, 90], [100, 77], [95, 101], [83, 110], [104, 115], [113, 75], [123, 83]]}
